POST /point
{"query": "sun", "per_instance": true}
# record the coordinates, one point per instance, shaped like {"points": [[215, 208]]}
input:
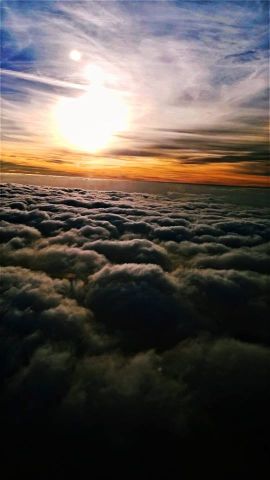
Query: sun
{"points": [[90, 122], [75, 55]]}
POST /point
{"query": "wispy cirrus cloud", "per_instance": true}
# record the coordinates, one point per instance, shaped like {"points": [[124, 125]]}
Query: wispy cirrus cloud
{"points": [[187, 71]]}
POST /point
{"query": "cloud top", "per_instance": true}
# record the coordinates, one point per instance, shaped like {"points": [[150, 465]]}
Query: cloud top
{"points": [[134, 323]]}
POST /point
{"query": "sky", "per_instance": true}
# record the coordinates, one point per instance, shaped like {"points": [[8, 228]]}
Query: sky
{"points": [[161, 90], [134, 293]]}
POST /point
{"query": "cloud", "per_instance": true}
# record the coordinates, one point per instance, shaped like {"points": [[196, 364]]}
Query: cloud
{"points": [[58, 261], [141, 305], [131, 251], [8, 231], [247, 259], [133, 323], [195, 82]]}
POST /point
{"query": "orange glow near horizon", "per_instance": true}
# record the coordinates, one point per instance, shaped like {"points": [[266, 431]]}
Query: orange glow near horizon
{"points": [[70, 163]]}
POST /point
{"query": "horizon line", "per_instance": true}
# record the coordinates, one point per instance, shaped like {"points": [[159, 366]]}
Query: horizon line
{"points": [[129, 180]]}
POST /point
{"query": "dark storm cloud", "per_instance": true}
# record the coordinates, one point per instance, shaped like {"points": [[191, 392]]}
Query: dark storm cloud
{"points": [[132, 320]]}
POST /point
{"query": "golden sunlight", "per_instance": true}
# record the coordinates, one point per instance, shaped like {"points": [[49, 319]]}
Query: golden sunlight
{"points": [[89, 123]]}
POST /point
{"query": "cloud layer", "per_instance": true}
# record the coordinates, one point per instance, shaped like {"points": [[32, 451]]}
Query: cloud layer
{"points": [[133, 323]]}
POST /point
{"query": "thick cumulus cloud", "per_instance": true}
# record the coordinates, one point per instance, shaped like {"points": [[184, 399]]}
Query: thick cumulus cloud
{"points": [[133, 325]]}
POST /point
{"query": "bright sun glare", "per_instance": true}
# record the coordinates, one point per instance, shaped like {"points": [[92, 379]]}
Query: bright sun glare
{"points": [[75, 55], [89, 122]]}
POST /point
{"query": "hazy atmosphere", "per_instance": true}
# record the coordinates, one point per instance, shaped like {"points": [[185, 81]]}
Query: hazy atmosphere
{"points": [[134, 240]]}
